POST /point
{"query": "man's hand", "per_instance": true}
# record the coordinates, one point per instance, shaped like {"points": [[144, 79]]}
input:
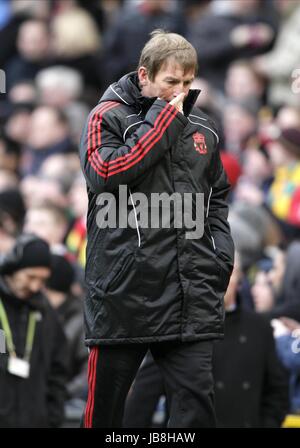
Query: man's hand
{"points": [[178, 102]]}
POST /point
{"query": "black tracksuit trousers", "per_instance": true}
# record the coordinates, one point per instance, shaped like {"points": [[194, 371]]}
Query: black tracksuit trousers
{"points": [[186, 368]]}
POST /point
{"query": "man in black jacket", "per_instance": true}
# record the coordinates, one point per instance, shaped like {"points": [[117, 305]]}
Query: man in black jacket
{"points": [[32, 371], [157, 285]]}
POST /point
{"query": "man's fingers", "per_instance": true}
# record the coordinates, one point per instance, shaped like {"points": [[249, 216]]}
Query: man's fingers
{"points": [[179, 99]]}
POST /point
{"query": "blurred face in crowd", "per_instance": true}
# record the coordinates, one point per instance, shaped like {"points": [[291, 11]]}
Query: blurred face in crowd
{"points": [[241, 82], [256, 166], [45, 128], [262, 293], [238, 123], [26, 282], [33, 40], [17, 126], [37, 191], [8, 161], [288, 117], [168, 83], [278, 155], [46, 225], [23, 92]]}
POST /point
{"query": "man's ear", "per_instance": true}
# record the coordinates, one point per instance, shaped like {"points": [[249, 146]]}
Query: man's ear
{"points": [[143, 76]]}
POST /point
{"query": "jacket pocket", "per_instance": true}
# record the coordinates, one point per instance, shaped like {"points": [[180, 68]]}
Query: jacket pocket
{"points": [[224, 273], [119, 271]]}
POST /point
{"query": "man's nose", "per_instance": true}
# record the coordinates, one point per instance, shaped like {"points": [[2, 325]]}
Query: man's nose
{"points": [[35, 286], [180, 88]]}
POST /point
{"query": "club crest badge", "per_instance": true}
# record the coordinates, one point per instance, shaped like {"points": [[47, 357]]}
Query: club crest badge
{"points": [[199, 143]]}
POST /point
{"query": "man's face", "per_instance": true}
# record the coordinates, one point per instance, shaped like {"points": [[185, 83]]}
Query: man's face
{"points": [[168, 83], [26, 282]]}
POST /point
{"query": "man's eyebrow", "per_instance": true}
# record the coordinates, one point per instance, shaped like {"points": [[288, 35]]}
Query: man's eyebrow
{"points": [[171, 78]]}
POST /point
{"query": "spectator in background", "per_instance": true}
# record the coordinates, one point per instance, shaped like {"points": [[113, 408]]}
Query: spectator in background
{"points": [[288, 117], [9, 154], [76, 239], [33, 52], [18, 122], [239, 123], [70, 312], [254, 184], [242, 83], [229, 31], [278, 65], [38, 190], [20, 11], [62, 87], [50, 222], [12, 213], [253, 230], [283, 198], [8, 179], [125, 39], [287, 334], [250, 382], [62, 168], [32, 372], [276, 293], [76, 42], [49, 134], [23, 92], [59, 86]]}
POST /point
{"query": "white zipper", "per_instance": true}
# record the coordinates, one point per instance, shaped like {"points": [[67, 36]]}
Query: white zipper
{"points": [[208, 202], [136, 220], [134, 124], [207, 211], [118, 95]]}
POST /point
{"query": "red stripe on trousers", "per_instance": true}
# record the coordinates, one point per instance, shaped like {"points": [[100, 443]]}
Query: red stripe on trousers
{"points": [[90, 372], [93, 388], [91, 383]]}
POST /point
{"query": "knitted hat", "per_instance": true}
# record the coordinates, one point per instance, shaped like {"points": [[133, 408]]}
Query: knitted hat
{"points": [[62, 275], [29, 251]]}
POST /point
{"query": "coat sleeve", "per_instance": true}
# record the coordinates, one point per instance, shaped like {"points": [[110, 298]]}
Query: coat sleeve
{"points": [[107, 161], [218, 214], [275, 400]]}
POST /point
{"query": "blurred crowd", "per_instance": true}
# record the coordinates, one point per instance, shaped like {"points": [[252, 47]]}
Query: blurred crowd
{"points": [[58, 56]]}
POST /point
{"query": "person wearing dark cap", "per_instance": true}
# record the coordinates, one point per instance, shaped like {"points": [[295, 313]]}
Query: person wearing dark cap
{"points": [[32, 371], [70, 311]]}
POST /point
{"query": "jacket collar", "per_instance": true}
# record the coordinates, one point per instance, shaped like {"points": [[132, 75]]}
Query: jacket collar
{"points": [[127, 91]]}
